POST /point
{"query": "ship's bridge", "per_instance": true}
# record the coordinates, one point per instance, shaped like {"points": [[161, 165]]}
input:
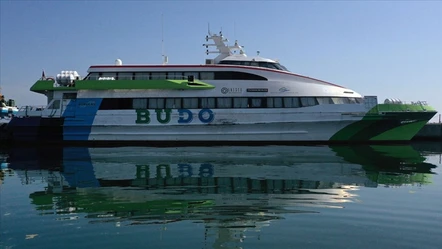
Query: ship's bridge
{"points": [[256, 61], [235, 55]]}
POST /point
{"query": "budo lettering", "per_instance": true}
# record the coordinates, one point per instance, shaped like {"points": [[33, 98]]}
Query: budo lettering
{"points": [[185, 116]]}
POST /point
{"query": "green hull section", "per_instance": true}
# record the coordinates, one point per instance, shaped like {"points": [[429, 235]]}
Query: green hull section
{"points": [[401, 108], [402, 132], [387, 122]]}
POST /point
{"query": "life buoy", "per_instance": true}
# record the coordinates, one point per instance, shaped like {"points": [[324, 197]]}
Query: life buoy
{"points": [[50, 78]]}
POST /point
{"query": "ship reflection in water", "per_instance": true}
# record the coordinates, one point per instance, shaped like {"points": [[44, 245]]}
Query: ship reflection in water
{"points": [[229, 190]]}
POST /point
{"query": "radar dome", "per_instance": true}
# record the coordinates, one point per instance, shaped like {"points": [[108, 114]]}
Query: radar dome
{"points": [[118, 62]]}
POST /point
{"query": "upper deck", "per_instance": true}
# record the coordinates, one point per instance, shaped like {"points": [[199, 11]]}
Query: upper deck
{"points": [[232, 60], [231, 68]]}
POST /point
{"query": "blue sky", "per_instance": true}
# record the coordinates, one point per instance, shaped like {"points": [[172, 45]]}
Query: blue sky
{"points": [[392, 49]]}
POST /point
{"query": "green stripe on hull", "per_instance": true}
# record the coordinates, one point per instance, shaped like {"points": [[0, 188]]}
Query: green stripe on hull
{"points": [[48, 85], [404, 132], [351, 130]]}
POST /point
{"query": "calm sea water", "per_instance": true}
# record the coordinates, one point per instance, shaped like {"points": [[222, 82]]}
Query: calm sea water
{"points": [[222, 197]]}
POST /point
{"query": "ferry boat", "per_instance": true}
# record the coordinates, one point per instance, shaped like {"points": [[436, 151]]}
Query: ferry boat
{"points": [[233, 98]]}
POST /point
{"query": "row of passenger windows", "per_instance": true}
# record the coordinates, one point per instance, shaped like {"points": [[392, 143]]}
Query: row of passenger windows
{"points": [[221, 75], [221, 103]]}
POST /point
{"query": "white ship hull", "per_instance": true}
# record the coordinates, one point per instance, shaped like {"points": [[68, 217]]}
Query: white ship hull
{"points": [[316, 123]]}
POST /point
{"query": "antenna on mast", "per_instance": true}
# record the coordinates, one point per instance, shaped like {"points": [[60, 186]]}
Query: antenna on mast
{"points": [[164, 57]]}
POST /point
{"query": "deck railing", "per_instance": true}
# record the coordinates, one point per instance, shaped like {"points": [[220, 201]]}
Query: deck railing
{"points": [[28, 110]]}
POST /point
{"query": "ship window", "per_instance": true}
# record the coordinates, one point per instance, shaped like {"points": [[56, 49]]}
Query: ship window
{"points": [[55, 104], [268, 65], [281, 67], [207, 75], [288, 103], [175, 75], [277, 102], [159, 76], [125, 76], [116, 104], [338, 101], [296, 102], [272, 65], [228, 62], [194, 74], [173, 103], [190, 103], [233, 62], [240, 102], [50, 96], [308, 101], [291, 102], [125, 103], [156, 103], [109, 74], [324, 100], [93, 76], [139, 103], [231, 75], [142, 76], [263, 64], [224, 103], [69, 95], [207, 103], [274, 102], [359, 100], [257, 102], [270, 102], [352, 100]]}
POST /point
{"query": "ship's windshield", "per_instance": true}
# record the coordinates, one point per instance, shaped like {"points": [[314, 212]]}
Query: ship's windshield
{"points": [[281, 67], [265, 64]]}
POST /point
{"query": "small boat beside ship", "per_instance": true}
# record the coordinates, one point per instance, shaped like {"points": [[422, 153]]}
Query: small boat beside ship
{"points": [[233, 98], [7, 109]]}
